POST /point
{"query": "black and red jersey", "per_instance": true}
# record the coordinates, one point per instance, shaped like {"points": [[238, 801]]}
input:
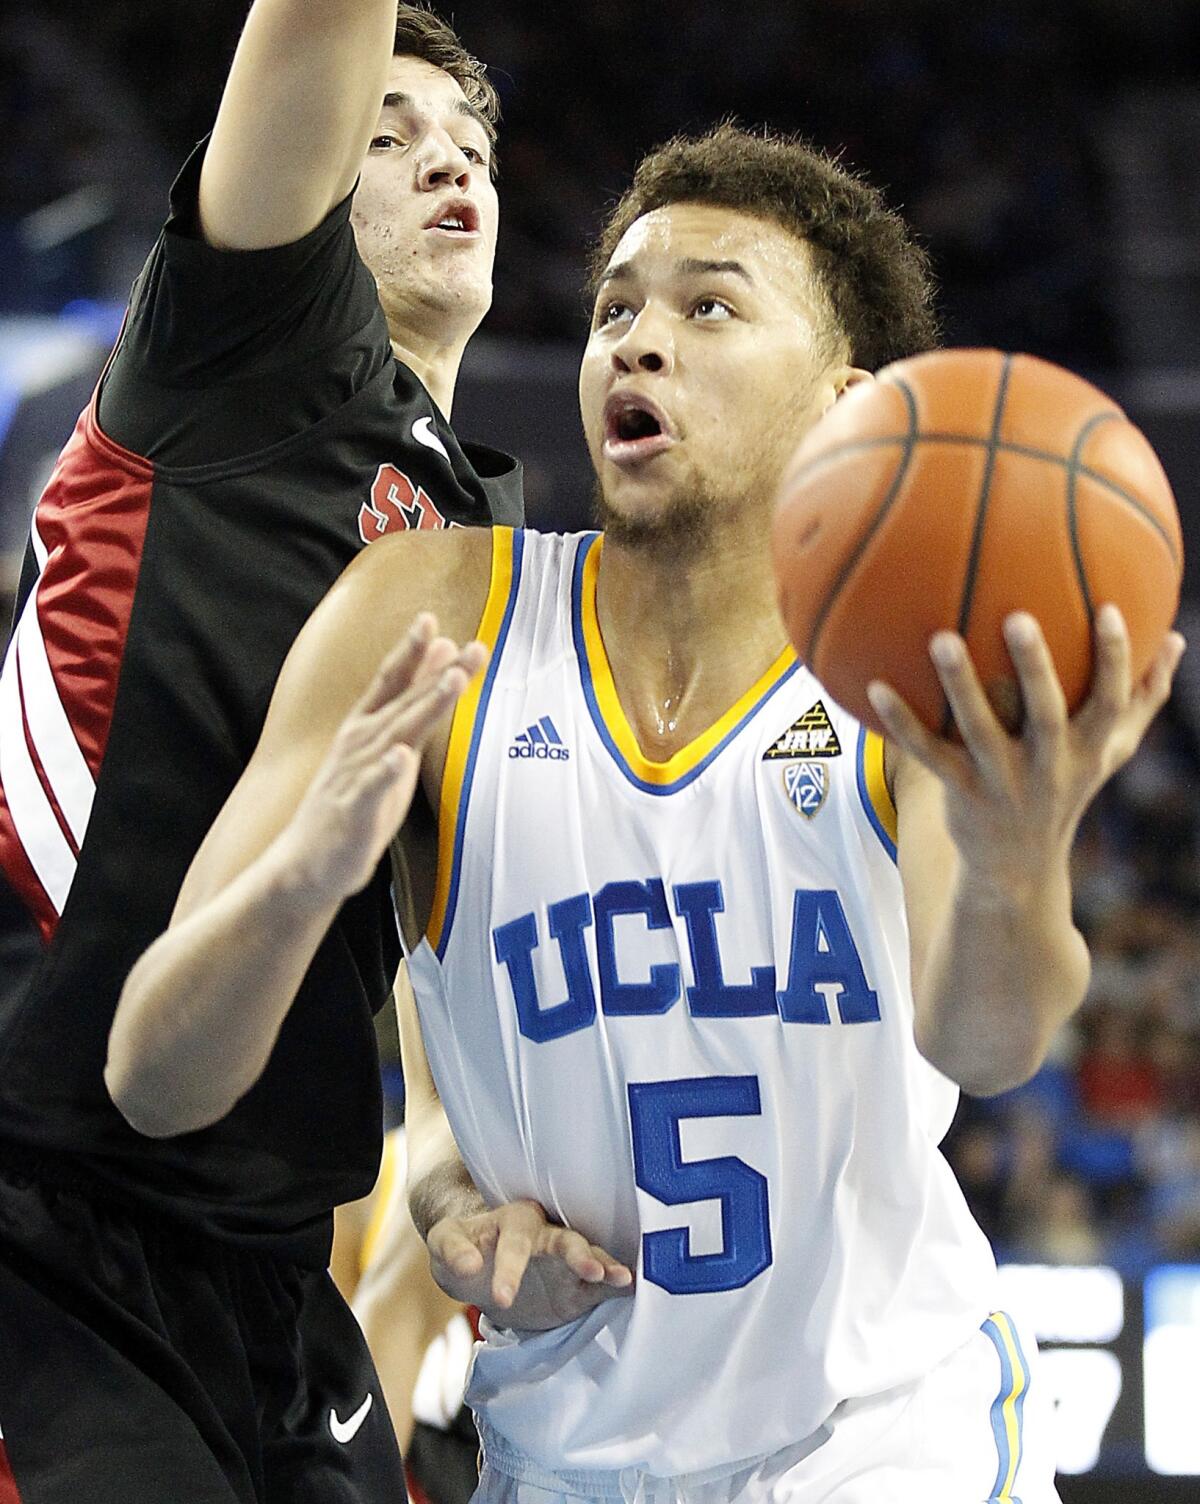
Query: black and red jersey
{"points": [[251, 432]]}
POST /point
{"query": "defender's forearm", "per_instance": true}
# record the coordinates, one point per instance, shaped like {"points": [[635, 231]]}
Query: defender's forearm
{"points": [[1004, 968], [200, 1012], [301, 100]]}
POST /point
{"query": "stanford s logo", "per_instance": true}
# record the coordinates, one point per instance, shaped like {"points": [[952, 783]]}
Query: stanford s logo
{"points": [[396, 505]]}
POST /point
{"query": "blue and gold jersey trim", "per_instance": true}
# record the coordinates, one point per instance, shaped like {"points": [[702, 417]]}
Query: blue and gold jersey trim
{"points": [[467, 729], [604, 707], [873, 790], [1008, 1408]]}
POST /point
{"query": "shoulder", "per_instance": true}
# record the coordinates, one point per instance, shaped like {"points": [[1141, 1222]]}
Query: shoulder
{"points": [[446, 571], [372, 603]]}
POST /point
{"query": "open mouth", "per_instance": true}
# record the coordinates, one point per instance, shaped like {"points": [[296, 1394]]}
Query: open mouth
{"points": [[636, 423], [457, 218], [635, 428]]}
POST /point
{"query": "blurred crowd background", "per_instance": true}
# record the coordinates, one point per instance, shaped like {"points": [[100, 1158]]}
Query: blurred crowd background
{"points": [[1046, 150], [1026, 139]]}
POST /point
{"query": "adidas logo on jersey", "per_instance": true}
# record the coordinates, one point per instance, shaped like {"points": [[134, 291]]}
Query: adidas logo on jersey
{"points": [[811, 736], [542, 742]]}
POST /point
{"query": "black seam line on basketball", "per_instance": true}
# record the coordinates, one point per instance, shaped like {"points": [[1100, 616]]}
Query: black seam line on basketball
{"points": [[851, 564], [981, 511], [1005, 446], [1073, 469]]}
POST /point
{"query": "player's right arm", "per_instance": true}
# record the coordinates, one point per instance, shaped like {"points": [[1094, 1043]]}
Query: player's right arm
{"points": [[298, 109], [328, 786]]}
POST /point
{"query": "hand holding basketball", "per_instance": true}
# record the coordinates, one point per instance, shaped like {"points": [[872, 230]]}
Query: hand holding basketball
{"points": [[1013, 803]]}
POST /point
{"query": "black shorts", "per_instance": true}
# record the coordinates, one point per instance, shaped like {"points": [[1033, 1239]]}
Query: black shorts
{"points": [[143, 1362]]}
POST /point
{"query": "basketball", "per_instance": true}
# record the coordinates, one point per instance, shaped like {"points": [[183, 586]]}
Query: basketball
{"points": [[958, 487]]}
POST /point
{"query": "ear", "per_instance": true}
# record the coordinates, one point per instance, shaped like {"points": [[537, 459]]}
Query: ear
{"points": [[846, 377], [839, 381]]}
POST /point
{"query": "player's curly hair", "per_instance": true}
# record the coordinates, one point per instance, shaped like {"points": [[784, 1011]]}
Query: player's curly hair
{"points": [[420, 32], [876, 277]]}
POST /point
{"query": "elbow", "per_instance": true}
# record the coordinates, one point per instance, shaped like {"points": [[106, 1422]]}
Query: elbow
{"points": [[999, 1076], [137, 1104], [149, 1106], [984, 1067]]}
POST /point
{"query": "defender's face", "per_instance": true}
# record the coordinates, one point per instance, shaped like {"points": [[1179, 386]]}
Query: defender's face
{"points": [[425, 212], [707, 361]]}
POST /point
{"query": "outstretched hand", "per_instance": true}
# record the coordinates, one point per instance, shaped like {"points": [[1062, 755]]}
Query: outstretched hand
{"points": [[522, 1270], [363, 789], [1014, 801]]}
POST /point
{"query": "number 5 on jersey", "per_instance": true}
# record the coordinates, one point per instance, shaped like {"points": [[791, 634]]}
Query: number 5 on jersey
{"points": [[656, 1109]]}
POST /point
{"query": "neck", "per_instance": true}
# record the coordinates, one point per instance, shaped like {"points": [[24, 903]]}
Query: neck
{"points": [[437, 365], [686, 638]]}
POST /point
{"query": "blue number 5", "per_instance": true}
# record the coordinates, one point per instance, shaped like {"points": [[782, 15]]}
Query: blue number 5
{"points": [[655, 1111]]}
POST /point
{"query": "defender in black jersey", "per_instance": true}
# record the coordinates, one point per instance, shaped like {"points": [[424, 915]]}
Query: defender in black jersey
{"points": [[168, 1333]]}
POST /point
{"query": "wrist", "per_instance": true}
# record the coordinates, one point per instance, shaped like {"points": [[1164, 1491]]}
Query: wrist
{"points": [[1020, 887], [295, 882], [441, 1196]]}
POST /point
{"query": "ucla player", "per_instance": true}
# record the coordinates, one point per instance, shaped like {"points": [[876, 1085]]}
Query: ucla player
{"points": [[704, 979]]}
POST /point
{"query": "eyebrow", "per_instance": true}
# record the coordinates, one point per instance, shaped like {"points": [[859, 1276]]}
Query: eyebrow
{"points": [[461, 107], [691, 266]]}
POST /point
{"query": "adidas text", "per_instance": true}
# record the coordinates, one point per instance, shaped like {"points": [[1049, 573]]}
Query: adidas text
{"points": [[543, 753]]}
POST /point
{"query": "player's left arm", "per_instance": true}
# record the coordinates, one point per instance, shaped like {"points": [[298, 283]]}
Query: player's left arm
{"points": [[518, 1267], [985, 830]]}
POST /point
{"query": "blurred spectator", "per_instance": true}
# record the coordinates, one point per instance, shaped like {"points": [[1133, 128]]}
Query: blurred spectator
{"points": [[1175, 1057], [1119, 1084], [980, 1162], [1173, 1165], [1059, 1227]]}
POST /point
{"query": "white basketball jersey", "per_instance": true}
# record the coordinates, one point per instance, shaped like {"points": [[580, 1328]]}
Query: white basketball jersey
{"points": [[671, 1002]]}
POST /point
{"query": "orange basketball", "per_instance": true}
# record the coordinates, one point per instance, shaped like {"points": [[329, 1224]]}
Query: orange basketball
{"points": [[958, 487]]}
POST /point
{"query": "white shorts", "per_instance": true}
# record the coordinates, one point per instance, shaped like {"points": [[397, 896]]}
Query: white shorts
{"points": [[977, 1430]]}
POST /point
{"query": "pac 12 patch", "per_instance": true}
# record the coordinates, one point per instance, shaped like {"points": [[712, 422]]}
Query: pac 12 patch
{"points": [[813, 735], [806, 784]]}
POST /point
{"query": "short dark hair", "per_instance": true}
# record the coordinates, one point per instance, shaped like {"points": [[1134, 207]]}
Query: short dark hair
{"points": [[421, 33], [876, 278]]}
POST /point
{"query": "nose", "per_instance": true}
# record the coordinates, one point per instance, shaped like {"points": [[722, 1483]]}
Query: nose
{"points": [[645, 346], [442, 163]]}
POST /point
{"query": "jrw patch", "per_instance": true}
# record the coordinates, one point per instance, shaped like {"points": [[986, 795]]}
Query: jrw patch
{"points": [[811, 736]]}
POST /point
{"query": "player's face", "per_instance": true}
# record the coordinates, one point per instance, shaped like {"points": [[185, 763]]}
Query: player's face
{"points": [[425, 212], [708, 360]]}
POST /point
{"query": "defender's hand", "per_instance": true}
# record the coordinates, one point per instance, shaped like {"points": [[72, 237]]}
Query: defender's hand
{"points": [[363, 789], [1013, 802], [521, 1270]]}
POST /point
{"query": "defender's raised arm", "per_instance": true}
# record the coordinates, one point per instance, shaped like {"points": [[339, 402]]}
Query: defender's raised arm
{"points": [[302, 98]]}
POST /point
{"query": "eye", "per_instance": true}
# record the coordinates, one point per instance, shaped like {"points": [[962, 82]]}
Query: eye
{"points": [[473, 154], [712, 311], [385, 142], [611, 313]]}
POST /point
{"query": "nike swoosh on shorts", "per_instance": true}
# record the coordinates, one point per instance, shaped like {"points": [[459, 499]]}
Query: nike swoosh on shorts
{"points": [[347, 1430]]}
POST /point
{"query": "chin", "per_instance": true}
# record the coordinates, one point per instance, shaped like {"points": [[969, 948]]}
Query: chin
{"points": [[675, 524], [462, 290]]}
